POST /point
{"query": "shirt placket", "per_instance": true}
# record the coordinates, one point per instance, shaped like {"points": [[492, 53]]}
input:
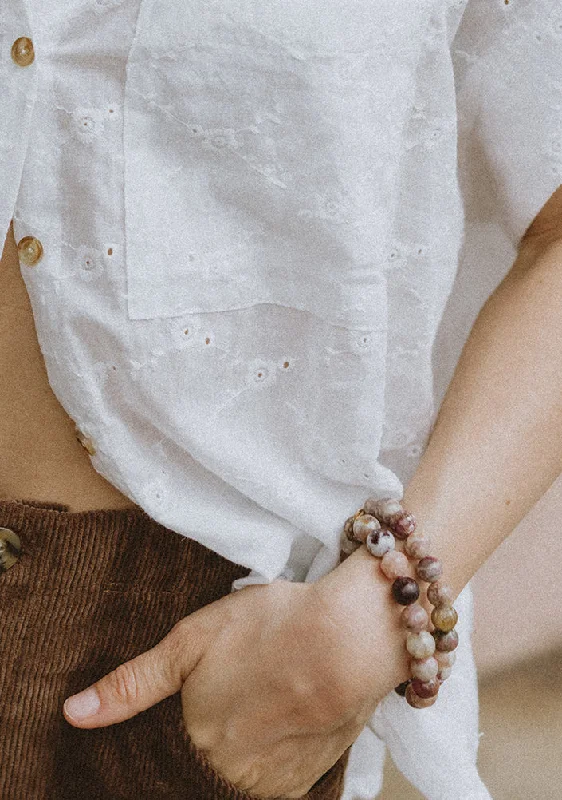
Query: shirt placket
{"points": [[18, 89]]}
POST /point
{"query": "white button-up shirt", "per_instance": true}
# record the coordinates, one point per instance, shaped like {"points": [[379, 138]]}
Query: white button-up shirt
{"points": [[252, 217]]}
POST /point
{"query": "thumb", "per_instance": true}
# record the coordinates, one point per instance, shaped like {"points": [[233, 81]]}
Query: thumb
{"points": [[145, 680]]}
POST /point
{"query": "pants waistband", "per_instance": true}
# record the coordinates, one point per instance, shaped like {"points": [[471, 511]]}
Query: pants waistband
{"points": [[114, 547]]}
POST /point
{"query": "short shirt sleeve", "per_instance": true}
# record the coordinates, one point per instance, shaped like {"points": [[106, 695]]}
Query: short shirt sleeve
{"points": [[507, 56]]}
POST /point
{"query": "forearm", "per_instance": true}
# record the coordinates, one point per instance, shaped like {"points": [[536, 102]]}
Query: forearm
{"points": [[496, 445]]}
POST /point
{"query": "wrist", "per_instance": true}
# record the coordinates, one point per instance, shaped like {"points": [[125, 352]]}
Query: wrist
{"points": [[449, 530], [376, 555], [358, 598]]}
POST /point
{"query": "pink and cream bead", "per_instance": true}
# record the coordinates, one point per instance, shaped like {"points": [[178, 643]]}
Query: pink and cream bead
{"points": [[394, 564], [429, 569], [417, 546], [445, 659], [420, 645], [380, 542], [444, 673], [425, 689], [425, 669], [439, 594], [415, 700], [391, 513], [363, 526], [445, 642], [378, 525], [415, 618]]}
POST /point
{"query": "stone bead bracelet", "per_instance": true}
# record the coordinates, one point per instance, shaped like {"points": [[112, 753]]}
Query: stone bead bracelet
{"points": [[377, 526]]}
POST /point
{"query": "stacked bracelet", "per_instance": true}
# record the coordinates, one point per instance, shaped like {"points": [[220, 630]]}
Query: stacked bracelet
{"points": [[377, 525]]}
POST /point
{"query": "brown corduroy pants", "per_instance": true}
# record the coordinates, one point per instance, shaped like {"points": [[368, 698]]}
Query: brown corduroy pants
{"points": [[89, 591]]}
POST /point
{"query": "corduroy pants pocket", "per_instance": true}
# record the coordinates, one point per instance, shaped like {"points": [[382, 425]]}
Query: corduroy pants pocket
{"points": [[91, 590]]}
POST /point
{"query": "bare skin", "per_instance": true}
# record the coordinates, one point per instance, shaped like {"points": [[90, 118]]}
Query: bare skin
{"points": [[273, 724], [272, 717], [40, 456]]}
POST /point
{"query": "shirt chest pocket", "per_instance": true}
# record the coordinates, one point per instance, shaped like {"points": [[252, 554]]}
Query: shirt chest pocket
{"points": [[255, 156]]}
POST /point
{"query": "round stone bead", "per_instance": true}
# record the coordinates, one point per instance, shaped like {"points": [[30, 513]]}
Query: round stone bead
{"points": [[363, 526], [425, 689], [380, 542], [420, 645], [405, 590], [348, 546], [403, 525], [384, 509], [444, 618], [415, 618], [394, 563], [429, 569], [445, 659], [444, 673], [391, 513], [417, 546], [416, 701], [440, 594], [445, 642], [424, 669], [348, 528]]}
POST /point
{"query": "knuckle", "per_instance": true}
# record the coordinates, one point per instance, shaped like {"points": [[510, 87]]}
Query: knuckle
{"points": [[189, 628], [172, 650], [172, 643], [249, 778], [317, 706], [204, 738], [180, 628], [125, 683]]}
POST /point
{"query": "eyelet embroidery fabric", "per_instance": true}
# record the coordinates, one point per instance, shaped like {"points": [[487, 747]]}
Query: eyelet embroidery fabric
{"points": [[267, 230]]}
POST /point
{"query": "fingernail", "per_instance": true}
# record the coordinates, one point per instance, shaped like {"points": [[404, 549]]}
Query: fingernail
{"points": [[82, 705]]}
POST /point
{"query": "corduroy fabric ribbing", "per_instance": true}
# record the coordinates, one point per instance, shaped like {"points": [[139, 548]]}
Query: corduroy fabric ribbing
{"points": [[92, 590]]}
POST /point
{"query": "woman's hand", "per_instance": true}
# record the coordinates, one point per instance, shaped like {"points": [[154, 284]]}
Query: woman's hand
{"points": [[276, 680]]}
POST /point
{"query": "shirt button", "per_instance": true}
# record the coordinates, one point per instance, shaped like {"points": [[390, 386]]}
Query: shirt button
{"points": [[22, 51], [10, 548], [30, 250]]}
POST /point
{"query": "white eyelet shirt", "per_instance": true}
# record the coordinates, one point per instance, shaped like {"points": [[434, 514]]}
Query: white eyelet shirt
{"points": [[260, 233]]}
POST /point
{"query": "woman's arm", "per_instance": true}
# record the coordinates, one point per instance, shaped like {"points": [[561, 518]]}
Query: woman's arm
{"points": [[496, 446], [278, 680]]}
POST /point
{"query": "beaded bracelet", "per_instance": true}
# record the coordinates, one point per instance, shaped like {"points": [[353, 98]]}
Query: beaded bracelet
{"points": [[377, 525]]}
